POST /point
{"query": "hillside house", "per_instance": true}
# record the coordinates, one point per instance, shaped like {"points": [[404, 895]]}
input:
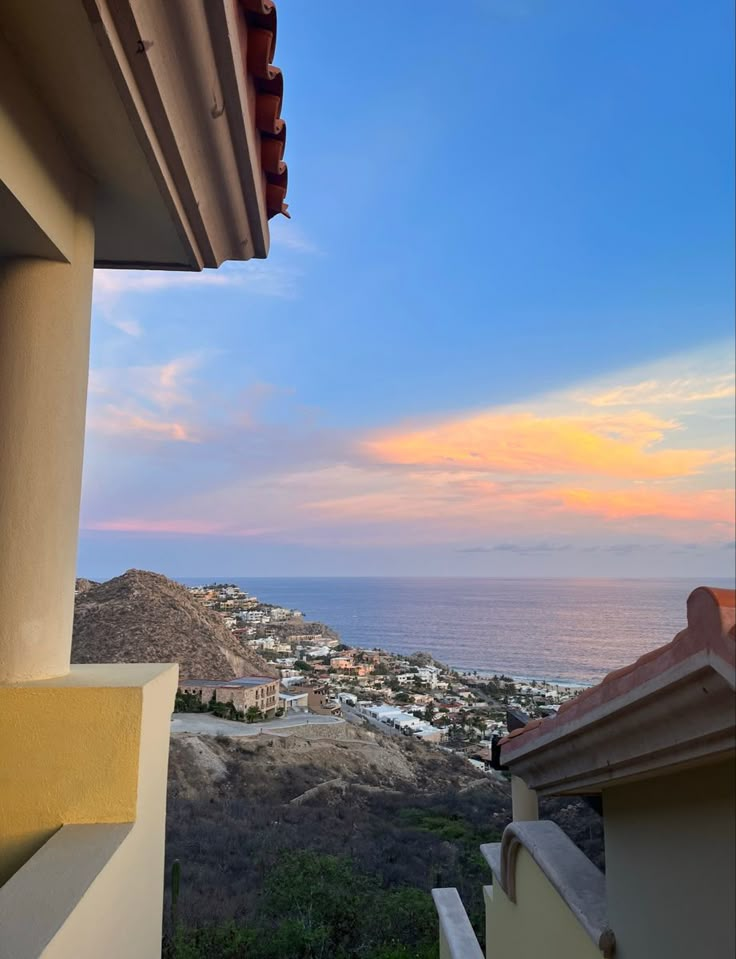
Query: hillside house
{"points": [[139, 134], [259, 692], [654, 745], [319, 698]]}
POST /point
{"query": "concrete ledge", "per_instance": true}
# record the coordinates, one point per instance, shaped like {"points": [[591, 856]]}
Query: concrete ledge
{"points": [[85, 752], [59, 876], [457, 938], [579, 883]]}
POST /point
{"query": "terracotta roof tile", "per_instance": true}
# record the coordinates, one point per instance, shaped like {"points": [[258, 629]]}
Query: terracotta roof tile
{"points": [[258, 42], [711, 618]]}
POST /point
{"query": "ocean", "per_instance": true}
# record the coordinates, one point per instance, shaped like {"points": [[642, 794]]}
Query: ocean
{"points": [[560, 630]]}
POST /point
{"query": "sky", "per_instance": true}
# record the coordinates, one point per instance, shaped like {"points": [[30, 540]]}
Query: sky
{"points": [[496, 337]]}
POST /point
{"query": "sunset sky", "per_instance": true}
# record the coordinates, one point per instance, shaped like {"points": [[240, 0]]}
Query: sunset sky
{"points": [[496, 338]]}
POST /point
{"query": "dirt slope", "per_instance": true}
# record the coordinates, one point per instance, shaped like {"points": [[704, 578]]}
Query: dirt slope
{"points": [[143, 617]]}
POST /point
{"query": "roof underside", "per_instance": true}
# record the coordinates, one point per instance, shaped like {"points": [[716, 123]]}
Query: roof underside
{"points": [[172, 109]]}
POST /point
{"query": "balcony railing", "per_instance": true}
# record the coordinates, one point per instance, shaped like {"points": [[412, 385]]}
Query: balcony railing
{"points": [[457, 938], [547, 898]]}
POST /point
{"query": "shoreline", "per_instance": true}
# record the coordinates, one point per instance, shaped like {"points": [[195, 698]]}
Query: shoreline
{"points": [[531, 680]]}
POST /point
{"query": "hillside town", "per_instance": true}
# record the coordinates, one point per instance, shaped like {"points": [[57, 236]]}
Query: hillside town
{"points": [[319, 675]]}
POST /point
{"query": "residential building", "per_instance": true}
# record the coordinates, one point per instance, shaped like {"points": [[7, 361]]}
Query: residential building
{"points": [[339, 663], [261, 692], [319, 698], [653, 746], [135, 135], [294, 702]]}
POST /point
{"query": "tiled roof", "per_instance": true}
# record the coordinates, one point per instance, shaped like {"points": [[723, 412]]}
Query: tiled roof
{"points": [[711, 618], [258, 42]]}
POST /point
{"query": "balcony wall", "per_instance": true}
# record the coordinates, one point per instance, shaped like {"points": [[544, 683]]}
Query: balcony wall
{"points": [[83, 770], [539, 923], [547, 899]]}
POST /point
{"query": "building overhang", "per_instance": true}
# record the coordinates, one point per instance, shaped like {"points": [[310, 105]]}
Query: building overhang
{"points": [[672, 709], [171, 109]]}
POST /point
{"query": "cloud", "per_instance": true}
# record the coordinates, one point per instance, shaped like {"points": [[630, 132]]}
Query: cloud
{"points": [[139, 400], [532, 479], [657, 392], [260, 279], [527, 443], [523, 549], [699, 506]]}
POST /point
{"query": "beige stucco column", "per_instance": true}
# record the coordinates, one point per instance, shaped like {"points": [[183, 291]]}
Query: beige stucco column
{"points": [[44, 361], [524, 802]]}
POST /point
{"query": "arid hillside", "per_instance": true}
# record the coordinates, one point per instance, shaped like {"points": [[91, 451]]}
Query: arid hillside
{"points": [[143, 617], [403, 815]]}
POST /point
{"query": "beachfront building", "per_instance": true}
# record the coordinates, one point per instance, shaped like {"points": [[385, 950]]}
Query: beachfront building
{"points": [[134, 134], [247, 692], [654, 746]]}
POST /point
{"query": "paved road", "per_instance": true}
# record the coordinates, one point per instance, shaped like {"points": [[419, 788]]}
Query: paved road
{"points": [[208, 725]]}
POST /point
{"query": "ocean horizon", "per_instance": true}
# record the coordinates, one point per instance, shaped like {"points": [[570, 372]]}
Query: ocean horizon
{"points": [[560, 630]]}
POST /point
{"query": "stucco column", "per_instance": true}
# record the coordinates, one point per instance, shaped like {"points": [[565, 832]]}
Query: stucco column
{"points": [[44, 362], [524, 802]]}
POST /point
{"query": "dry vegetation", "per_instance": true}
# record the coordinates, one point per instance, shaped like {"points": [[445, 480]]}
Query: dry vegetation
{"points": [[405, 815], [143, 617]]}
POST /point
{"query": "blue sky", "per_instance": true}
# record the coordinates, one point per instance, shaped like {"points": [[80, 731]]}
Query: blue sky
{"points": [[504, 215]]}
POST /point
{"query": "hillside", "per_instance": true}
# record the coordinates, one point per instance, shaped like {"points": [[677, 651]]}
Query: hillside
{"points": [[143, 617], [347, 826]]}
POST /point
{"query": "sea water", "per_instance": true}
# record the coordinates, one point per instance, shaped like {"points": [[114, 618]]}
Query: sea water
{"points": [[560, 630]]}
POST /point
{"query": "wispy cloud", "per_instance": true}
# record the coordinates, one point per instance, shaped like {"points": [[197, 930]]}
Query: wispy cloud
{"points": [[565, 465], [253, 278]]}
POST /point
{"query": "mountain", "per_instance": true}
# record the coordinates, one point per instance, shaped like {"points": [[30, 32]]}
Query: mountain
{"points": [[143, 617]]}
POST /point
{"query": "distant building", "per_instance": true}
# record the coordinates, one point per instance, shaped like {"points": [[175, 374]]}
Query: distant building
{"points": [[259, 691], [294, 702], [319, 698]]}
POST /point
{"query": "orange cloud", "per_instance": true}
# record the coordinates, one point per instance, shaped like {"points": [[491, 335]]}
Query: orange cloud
{"points": [[706, 506], [527, 444]]}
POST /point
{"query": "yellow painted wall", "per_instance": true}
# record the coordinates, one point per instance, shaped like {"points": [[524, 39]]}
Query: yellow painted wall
{"points": [[116, 915], [538, 924], [69, 753], [671, 865]]}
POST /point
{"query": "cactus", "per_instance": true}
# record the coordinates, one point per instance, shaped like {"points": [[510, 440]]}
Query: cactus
{"points": [[175, 885]]}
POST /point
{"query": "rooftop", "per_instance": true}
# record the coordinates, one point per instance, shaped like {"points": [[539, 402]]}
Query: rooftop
{"points": [[247, 681], [624, 724]]}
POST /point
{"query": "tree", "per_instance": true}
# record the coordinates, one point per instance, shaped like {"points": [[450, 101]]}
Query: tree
{"points": [[429, 712], [305, 667], [253, 714]]}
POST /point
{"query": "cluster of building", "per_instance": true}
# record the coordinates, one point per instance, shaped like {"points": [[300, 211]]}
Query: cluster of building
{"points": [[413, 696], [239, 608]]}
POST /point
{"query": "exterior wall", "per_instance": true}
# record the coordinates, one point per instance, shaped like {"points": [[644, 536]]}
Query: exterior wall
{"points": [[670, 870], [538, 924], [44, 357], [265, 697], [64, 897], [84, 731]]}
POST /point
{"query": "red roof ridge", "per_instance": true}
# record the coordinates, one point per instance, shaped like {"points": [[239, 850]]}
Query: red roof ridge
{"points": [[711, 627]]}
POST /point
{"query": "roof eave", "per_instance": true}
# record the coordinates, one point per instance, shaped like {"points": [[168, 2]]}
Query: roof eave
{"points": [[679, 719], [179, 70]]}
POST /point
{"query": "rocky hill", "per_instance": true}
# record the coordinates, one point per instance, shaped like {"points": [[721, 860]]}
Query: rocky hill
{"points": [[143, 617]]}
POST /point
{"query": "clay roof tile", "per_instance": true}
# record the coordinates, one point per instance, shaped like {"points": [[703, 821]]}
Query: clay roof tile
{"points": [[258, 40]]}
